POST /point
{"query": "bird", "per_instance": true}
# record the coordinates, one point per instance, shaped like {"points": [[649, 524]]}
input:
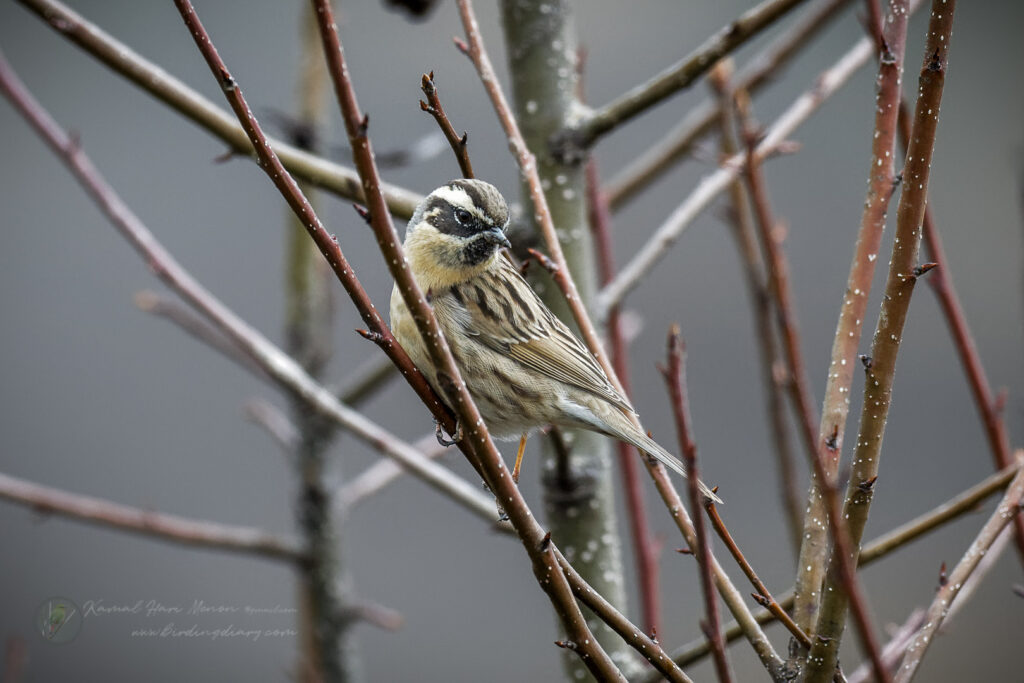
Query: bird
{"points": [[524, 368]]}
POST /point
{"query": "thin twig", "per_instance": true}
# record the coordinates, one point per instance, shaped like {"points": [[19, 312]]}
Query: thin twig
{"points": [[1009, 508], [959, 505], [571, 144], [153, 302], [778, 277], [159, 525], [888, 332], [476, 442], [646, 645], [774, 378], [275, 423], [285, 371], [644, 546], [433, 107], [836, 404], [674, 374], [156, 81], [763, 595], [378, 476], [652, 164]]}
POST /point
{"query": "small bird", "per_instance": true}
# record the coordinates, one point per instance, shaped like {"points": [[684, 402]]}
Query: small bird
{"points": [[523, 367]]}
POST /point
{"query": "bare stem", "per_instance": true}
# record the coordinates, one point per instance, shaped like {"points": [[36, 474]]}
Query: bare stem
{"points": [[773, 377], [432, 106], [1009, 508], [880, 371], [572, 143], [645, 548], [189, 103], [652, 163], [827, 84], [763, 595], [836, 404], [675, 379], [778, 276], [162, 526]]}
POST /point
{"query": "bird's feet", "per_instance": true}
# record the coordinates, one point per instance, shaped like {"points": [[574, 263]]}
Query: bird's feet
{"points": [[439, 433]]}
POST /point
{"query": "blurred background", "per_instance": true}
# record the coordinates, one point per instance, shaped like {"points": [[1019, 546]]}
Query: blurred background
{"points": [[102, 399]]}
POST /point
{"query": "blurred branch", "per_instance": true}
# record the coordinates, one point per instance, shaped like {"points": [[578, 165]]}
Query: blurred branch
{"points": [[778, 278], [156, 81], [275, 423], [880, 368], [1009, 508], [712, 185], [701, 120], [433, 107], [191, 532], [899, 641], [285, 371], [961, 504], [572, 143], [645, 548], [772, 365], [830, 434], [381, 474], [674, 374]]}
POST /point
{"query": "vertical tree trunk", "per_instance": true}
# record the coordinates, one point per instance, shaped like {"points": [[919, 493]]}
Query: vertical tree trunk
{"points": [[579, 498]]}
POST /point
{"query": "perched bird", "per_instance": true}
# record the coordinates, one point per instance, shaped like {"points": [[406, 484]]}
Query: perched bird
{"points": [[523, 367]]}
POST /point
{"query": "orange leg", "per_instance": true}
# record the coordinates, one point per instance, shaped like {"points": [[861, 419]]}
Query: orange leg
{"points": [[519, 457]]}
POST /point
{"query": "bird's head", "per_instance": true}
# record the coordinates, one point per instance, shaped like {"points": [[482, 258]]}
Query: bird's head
{"points": [[456, 233]]}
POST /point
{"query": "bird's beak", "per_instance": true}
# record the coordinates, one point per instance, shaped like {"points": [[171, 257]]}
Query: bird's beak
{"points": [[497, 236]]}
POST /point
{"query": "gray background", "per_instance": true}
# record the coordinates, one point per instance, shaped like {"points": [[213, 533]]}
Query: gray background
{"points": [[101, 399]]}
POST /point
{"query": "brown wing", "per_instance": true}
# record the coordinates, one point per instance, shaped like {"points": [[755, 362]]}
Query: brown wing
{"points": [[506, 315]]}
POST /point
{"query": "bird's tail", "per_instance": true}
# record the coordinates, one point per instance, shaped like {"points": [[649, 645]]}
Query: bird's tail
{"points": [[652, 448]]}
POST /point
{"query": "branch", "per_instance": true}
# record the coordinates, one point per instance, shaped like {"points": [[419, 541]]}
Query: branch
{"points": [[645, 548], [433, 107], [836, 405], [381, 474], [828, 83], [476, 442], [285, 371], [1009, 508], [275, 423], [774, 380], [889, 330], [961, 504], [191, 532], [157, 82], [674, 374], [571, 144], [701, 120], [763, 595]]}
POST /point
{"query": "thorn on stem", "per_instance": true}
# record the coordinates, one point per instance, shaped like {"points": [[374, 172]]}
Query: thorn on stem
{"points": [[654, 634], [867, 485], [545, 542], [566, 644], [934, 62], [866, 361], [363, 212], [760, 599], [923, 268], [543, 260], [375, 337], [461, 45], [832, 442], [227, 81], [364, 125], [943, 578], [684, 551]]}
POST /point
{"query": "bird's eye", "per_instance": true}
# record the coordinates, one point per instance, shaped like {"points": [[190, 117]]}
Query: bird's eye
{"points": [[462, 216]]}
